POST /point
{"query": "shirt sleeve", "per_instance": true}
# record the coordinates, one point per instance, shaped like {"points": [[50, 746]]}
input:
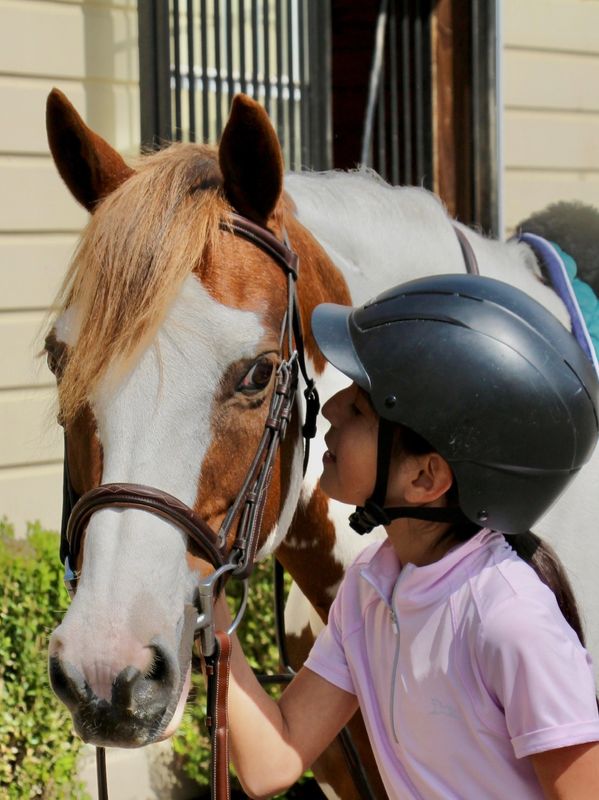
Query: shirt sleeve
{"points": [[327, 656], [538, 672]]}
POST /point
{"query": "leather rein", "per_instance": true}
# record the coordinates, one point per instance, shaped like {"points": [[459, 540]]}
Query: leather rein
{"points": [[248, 507]]}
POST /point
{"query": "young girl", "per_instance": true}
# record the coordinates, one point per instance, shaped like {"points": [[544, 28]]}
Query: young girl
{"points": [[470, 410]]}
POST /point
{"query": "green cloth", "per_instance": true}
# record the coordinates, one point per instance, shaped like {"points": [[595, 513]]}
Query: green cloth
{"points": [[587, 299]]}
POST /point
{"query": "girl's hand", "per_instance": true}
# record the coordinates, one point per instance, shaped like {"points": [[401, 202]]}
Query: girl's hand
{"points": [[569, 773]]}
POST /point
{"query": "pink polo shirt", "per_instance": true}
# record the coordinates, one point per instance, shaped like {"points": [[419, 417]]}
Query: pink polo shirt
{"points": [[461, 668]]}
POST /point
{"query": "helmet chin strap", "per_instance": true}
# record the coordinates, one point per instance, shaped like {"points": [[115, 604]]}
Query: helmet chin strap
{"points": [[374, 512]]}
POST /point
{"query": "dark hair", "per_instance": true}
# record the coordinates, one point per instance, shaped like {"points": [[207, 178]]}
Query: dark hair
{"points": [[528, 546], [545, 562]]}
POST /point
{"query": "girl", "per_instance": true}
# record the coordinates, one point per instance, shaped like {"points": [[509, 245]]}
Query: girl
{"points": [[470, 410]]}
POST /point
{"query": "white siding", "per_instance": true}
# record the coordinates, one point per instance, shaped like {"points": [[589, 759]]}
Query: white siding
{"points": [[551, 104], [89, 51]]}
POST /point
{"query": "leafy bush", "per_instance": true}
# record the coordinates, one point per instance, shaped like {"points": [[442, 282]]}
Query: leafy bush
{"points": [[38, 752]]}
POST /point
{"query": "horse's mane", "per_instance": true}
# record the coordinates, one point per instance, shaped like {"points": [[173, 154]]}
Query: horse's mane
{"points": [[349, 208], [140, 244]]}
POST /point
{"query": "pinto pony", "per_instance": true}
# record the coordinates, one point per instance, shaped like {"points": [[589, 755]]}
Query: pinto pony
{"points": [[165, 348]]}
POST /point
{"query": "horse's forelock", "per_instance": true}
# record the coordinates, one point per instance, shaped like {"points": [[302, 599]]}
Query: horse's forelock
{"points": [[141, 243]]}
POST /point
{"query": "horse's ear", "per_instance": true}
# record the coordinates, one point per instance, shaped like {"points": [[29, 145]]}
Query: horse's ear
{"points": [[89, 166], [251, 160]]}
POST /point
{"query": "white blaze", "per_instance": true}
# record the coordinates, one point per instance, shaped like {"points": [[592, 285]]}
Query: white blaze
{"points": [[155, 429]]}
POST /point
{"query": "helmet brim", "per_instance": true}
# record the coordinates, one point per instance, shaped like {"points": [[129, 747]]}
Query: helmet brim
{"points": [[331, 328]]}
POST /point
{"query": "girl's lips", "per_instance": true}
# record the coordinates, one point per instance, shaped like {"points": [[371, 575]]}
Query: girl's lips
{"points": [[328, 457]]}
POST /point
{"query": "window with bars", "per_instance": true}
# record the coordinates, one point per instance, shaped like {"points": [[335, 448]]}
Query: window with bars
{"points": [[197, 54]]}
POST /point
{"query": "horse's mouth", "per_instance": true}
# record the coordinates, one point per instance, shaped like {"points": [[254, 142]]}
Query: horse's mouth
{"points": [[103, 727], [178, 713], [112, 723]]}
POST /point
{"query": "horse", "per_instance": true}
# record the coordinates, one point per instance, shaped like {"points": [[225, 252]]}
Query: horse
{"points": [[165, 348]]}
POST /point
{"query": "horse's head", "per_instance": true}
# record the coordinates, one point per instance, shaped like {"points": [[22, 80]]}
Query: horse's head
{"points": [[165, 349]]}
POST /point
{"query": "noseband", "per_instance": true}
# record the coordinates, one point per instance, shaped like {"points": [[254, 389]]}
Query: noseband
{"points": [[213, 546]]}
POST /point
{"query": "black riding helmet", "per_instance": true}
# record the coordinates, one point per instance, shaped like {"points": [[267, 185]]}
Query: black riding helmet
{"points": [[485, 374]]}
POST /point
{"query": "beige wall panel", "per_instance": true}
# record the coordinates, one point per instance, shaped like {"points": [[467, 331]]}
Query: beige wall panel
{"points": [[105, 3], [32, 268], [34, 198], [19, 363], [28, 494], [28, 430], [537, 79], [525, 192], [110, 109], [567, 25], [68, 40], [548, 140]]}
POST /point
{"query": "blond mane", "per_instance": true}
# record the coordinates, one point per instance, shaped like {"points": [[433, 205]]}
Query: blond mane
{"points": [[140, 244]]}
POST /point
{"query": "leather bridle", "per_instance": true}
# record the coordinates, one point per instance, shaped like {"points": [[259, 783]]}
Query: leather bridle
{"points": [[227, 559]]}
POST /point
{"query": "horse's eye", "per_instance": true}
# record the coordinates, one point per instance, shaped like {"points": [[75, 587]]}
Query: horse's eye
{"points": [[55, 355], [52, 362], [258, 377]]}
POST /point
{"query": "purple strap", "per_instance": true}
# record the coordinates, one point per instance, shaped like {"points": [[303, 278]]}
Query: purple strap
{"points": [[560, 283]]}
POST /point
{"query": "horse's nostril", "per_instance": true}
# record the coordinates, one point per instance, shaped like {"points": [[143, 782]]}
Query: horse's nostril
{"points": [[159, 668], [67, 682], [146, 693]]}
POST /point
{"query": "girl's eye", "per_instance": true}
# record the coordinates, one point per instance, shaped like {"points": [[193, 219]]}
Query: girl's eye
{"points": [[257, 378]]}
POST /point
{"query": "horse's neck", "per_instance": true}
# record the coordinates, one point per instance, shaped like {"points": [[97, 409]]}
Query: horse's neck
{"points": [[379, 236], [376, 234]]}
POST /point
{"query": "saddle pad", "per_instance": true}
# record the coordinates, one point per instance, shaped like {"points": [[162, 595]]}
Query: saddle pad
{"points": [[553, 259]]}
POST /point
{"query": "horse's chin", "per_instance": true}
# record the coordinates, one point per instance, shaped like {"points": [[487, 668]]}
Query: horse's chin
{"points": [[178, 715]]}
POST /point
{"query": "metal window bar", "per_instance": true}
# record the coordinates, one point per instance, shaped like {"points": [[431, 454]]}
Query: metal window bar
{"points": [[199, 53], [397, 140]]}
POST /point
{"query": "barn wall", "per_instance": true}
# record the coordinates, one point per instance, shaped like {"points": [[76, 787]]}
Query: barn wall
{"points": [[551, 104], [89, 51]]}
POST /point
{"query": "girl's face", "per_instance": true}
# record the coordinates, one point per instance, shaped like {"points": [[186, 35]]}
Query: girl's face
{"points": [[349, 464]]}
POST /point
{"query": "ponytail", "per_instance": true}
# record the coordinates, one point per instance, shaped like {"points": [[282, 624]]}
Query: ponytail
{"points": [[545, 562]]}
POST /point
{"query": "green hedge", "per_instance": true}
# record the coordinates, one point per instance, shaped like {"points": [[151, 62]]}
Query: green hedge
{"points": [[38, 751]]}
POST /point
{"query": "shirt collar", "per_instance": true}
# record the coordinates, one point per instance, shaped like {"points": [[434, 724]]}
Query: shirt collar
{"points": [[412, 585]]}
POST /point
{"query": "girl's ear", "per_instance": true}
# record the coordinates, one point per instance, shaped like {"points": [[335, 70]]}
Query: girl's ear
{"points": [[428, 477]]}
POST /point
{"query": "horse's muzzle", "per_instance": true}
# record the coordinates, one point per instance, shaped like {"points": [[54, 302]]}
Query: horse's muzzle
{"points": [[139, 709]]}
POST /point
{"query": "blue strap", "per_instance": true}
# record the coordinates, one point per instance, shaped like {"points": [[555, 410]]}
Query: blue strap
{"points": [[554, 260]]}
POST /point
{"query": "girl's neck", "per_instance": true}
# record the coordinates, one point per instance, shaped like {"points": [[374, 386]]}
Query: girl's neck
{"points": [[418, 542]]}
